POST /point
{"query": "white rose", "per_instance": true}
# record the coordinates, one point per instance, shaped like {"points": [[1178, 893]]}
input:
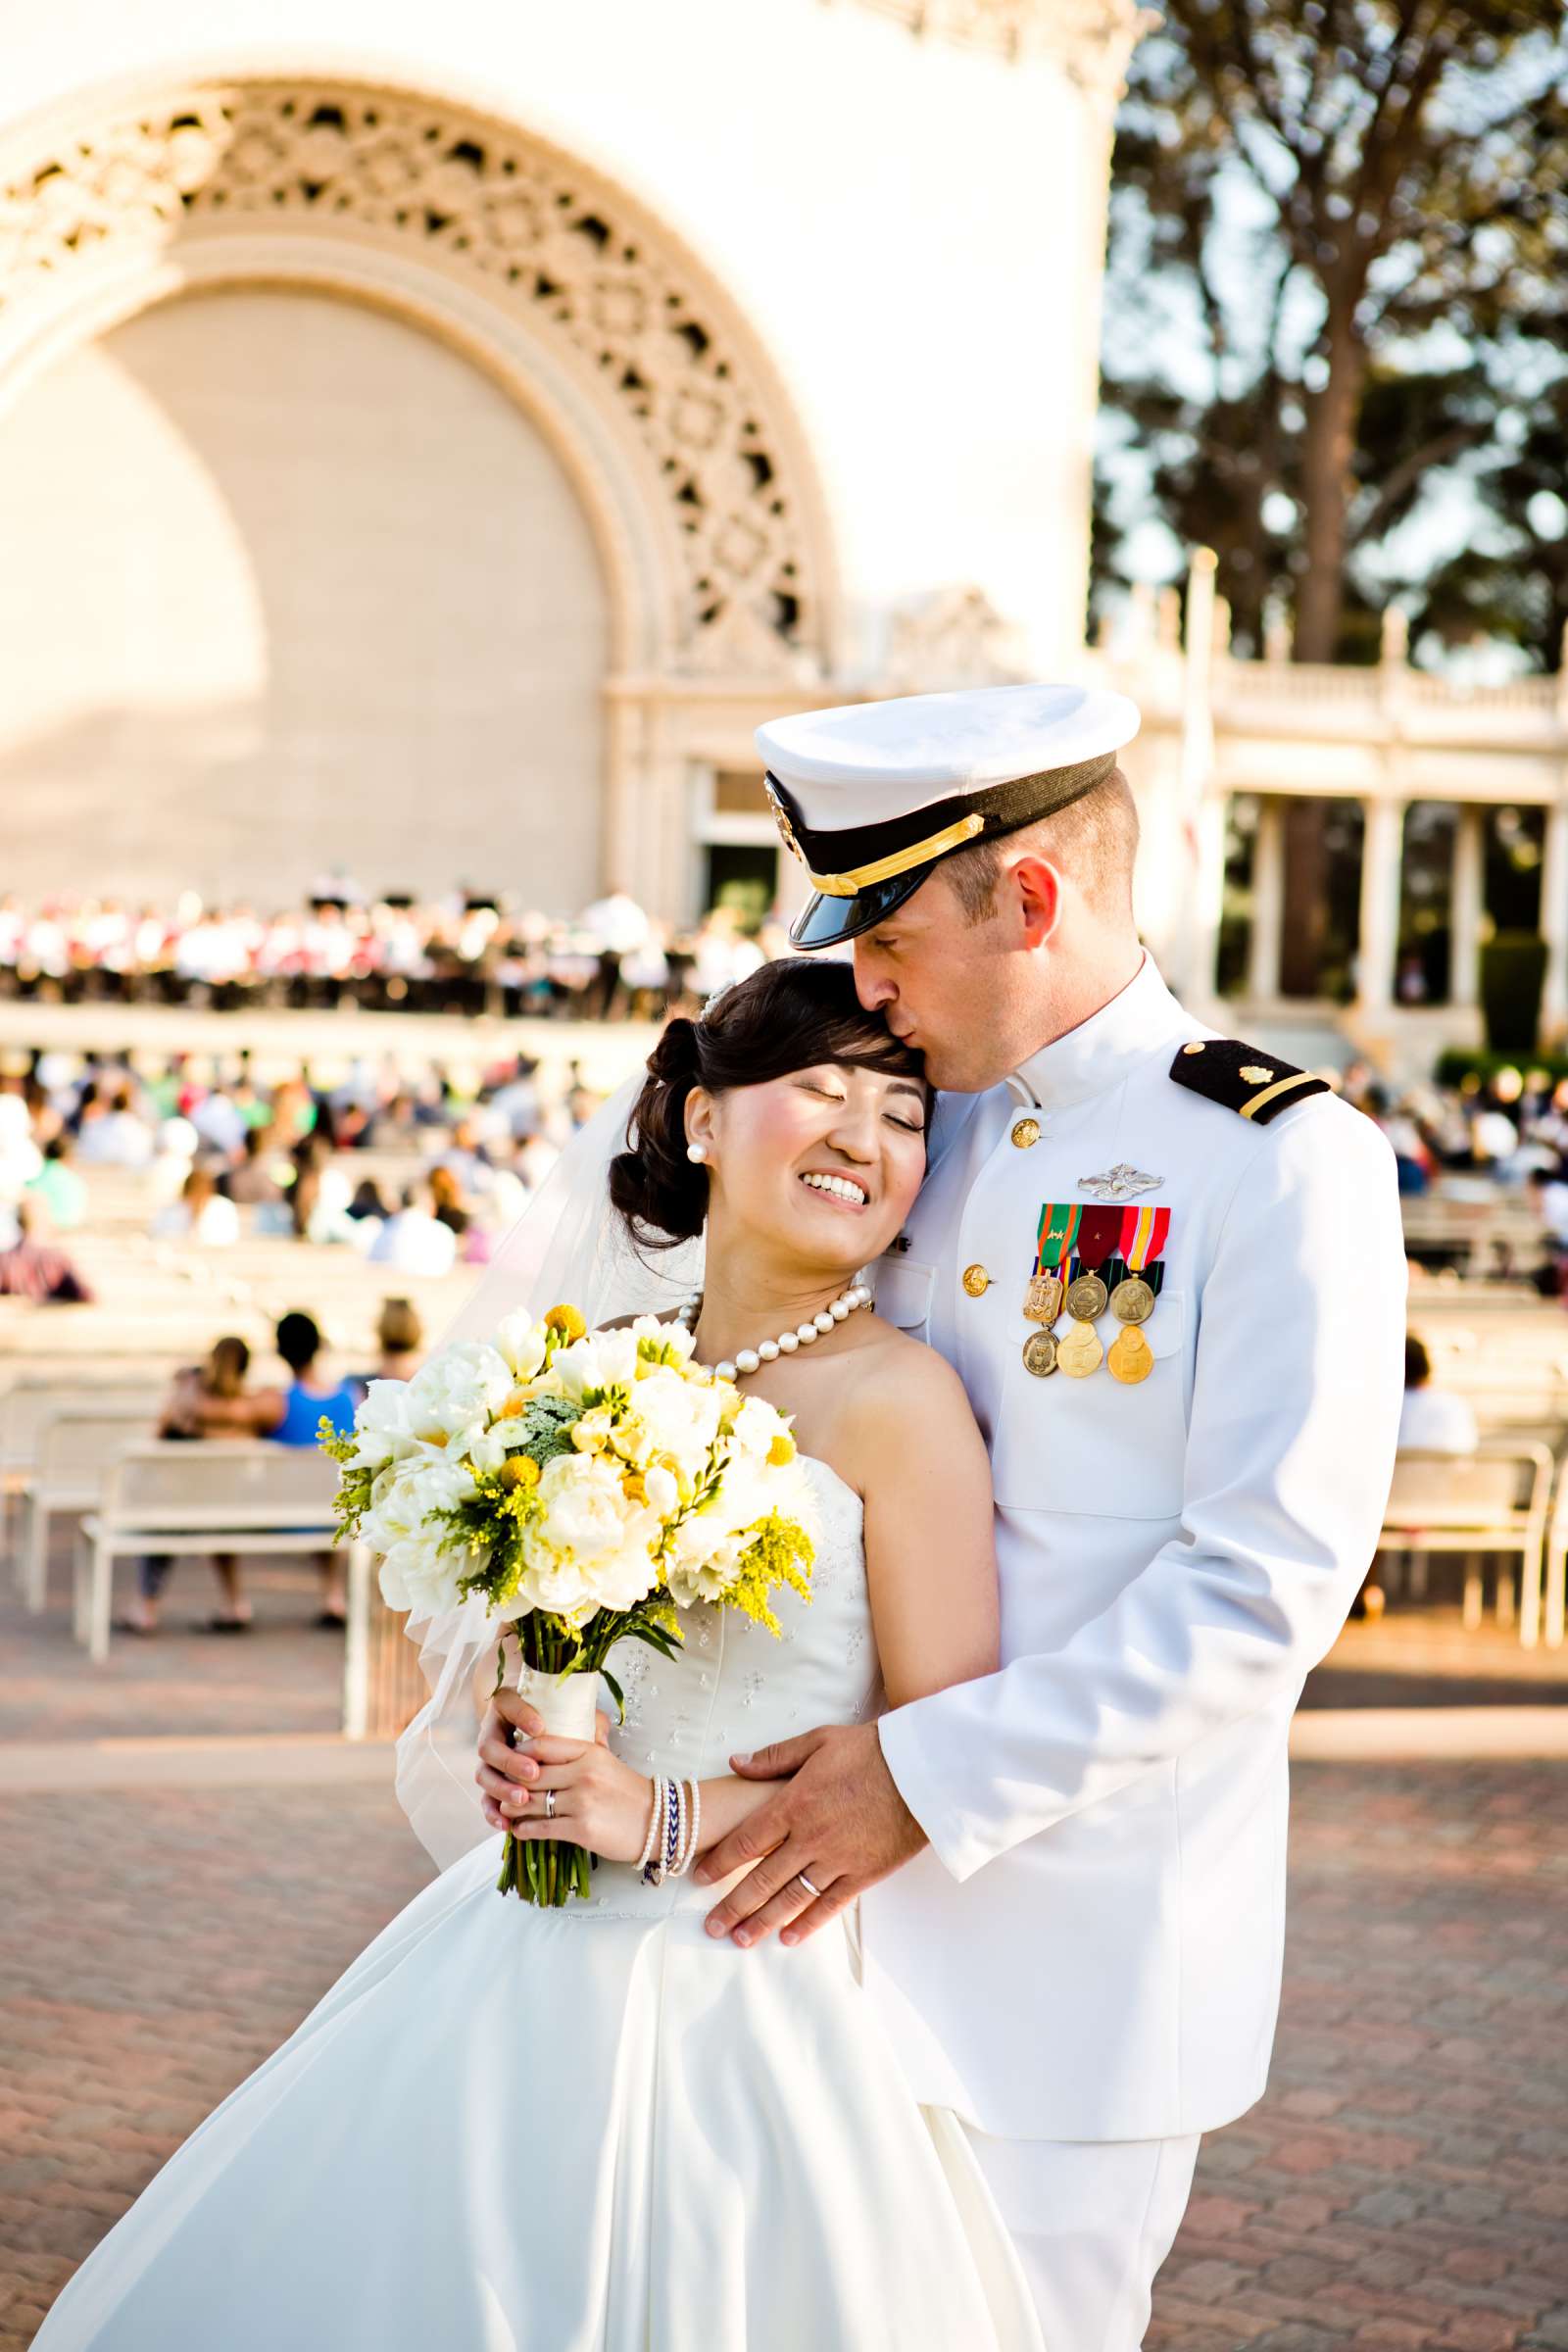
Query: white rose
{"points": [[520, 1343]]}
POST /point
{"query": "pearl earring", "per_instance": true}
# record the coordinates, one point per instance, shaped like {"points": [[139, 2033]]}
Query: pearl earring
{"points": [[697, 1152]]}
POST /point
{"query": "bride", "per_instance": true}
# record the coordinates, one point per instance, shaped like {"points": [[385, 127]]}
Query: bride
{"points": [[561, 2130]]}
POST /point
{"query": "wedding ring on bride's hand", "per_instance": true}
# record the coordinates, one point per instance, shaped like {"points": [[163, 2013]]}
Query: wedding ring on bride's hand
{"points": [[806, 1883], [550, 1805]]}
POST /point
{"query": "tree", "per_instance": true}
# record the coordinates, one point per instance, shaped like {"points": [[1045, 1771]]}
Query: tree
{"points": [[1339, 276]]}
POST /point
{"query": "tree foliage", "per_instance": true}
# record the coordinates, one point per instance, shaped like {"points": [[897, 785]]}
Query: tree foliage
{"points": [[1338, 310]]}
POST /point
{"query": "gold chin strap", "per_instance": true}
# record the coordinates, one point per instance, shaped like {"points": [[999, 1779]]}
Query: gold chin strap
{"points": [[848, 886]]}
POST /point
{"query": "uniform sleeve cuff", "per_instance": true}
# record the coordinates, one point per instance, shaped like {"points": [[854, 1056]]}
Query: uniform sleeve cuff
{"points": [[908, 1759]]}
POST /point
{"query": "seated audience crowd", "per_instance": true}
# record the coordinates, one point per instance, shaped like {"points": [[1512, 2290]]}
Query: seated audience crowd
{"points": [[470, 952]]}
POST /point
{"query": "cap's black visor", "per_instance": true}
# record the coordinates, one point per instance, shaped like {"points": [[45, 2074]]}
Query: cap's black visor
{"points": [[825, 921]]}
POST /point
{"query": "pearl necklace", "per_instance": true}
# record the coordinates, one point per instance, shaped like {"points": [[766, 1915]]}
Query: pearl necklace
{"points": [[767, 1351]]}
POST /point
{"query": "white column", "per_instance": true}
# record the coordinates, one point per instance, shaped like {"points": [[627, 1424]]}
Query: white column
{"points": [[1268, 902], [1466, 905], [1382, 840], [1554, 920], [1207, 899]]}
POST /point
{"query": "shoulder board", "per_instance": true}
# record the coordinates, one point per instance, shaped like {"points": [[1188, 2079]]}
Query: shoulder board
{"points": [[1243, 1078]]}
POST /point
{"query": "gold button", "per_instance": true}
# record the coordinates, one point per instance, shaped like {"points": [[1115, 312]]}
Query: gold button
{"points": [[1197, 1046], [976, 1280], [1026, 1132]]}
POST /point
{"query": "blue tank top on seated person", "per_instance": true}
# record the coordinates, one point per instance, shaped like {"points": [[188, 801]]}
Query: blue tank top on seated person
{"points": [[302, 1413]]}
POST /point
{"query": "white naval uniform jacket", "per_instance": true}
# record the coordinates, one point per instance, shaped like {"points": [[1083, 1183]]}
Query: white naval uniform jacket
{"points": [[1091, 1947]]}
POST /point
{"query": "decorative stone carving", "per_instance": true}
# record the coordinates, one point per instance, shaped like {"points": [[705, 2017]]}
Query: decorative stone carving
{"points": [[955, 638], [480, 199]]}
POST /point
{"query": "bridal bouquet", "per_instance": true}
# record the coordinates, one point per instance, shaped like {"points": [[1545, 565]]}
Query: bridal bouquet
{"points": [[589, 1486]]}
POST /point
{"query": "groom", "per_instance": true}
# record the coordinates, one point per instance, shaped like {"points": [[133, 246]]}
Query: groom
{"points": [[1169, 1270]]}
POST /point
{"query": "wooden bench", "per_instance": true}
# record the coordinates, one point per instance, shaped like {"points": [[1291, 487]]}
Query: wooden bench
{"points": [[74, 1446], [221, 1497], [1491, 1501]]}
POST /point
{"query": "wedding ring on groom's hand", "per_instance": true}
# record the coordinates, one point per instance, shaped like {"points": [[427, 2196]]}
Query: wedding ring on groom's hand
{"points": [[806, 1883]]}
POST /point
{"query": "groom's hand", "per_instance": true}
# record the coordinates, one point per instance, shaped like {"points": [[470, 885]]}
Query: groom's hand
{"points": [[505, 1771], [841, 1820]]}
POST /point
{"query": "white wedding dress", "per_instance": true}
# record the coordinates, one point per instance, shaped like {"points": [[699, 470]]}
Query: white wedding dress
{"points": [[594, 2129]]}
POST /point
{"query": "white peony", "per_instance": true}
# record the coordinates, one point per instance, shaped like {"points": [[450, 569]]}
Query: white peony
{"points": [[381, 1429], [702, 1558], [454, 1395], [588, 1545], [420, 1565], [680, 1418]]}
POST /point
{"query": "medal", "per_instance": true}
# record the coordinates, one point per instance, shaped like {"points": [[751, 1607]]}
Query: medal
{"points": [[1042, 1300], [1131, 1358], [1054, 1240], [1098, 1232], [1080, 1353], [1039, 1352], [1143, 1240], [1087, 1299]]}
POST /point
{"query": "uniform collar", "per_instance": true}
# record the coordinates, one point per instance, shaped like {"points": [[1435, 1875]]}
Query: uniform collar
{"points": [[1099, 1053]]}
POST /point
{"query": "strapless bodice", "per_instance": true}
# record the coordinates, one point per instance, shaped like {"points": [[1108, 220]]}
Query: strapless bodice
{"points": [[736, 1687]]}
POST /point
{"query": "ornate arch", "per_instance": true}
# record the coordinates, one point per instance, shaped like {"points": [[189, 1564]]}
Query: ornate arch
{"points": [[602, 323]]}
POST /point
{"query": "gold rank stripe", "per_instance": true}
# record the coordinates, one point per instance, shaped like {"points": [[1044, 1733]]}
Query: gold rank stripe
{"points": [[845, 886], [1281, 1086]]}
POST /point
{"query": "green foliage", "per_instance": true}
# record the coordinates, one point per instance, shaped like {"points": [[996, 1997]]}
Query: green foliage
{"points": [[1456, 1063], [1513, 972], [544, 1428], [355, 1481], [1337, 285]]}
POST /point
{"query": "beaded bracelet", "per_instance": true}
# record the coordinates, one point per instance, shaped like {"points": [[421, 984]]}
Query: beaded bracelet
{"points": [[694, 1831], [656, 1818]]}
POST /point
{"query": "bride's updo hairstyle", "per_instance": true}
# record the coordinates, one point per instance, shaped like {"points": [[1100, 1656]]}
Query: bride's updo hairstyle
{"points": [[792, 1015]]}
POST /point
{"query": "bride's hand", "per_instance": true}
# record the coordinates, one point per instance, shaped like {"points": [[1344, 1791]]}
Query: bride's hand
{"points": [[599, 1801], [503, 1766]]}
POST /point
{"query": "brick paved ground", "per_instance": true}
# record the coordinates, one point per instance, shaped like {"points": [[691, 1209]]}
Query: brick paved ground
{"points": [[1402, 2189], [285, 1675]]}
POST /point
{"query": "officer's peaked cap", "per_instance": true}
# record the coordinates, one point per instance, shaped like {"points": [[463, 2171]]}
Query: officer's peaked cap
{"points": [[872, 796]]}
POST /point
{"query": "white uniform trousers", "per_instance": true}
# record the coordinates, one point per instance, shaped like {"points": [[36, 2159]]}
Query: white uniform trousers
{"points": [[1092, 2220]]}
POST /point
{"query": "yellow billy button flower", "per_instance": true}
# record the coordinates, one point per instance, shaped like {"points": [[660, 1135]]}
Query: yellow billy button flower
{"points": [[567, 1321], [782, 1450], [522, 1470]]}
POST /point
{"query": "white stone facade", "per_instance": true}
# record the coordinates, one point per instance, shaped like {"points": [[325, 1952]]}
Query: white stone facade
{"points": [[430, 440]]}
